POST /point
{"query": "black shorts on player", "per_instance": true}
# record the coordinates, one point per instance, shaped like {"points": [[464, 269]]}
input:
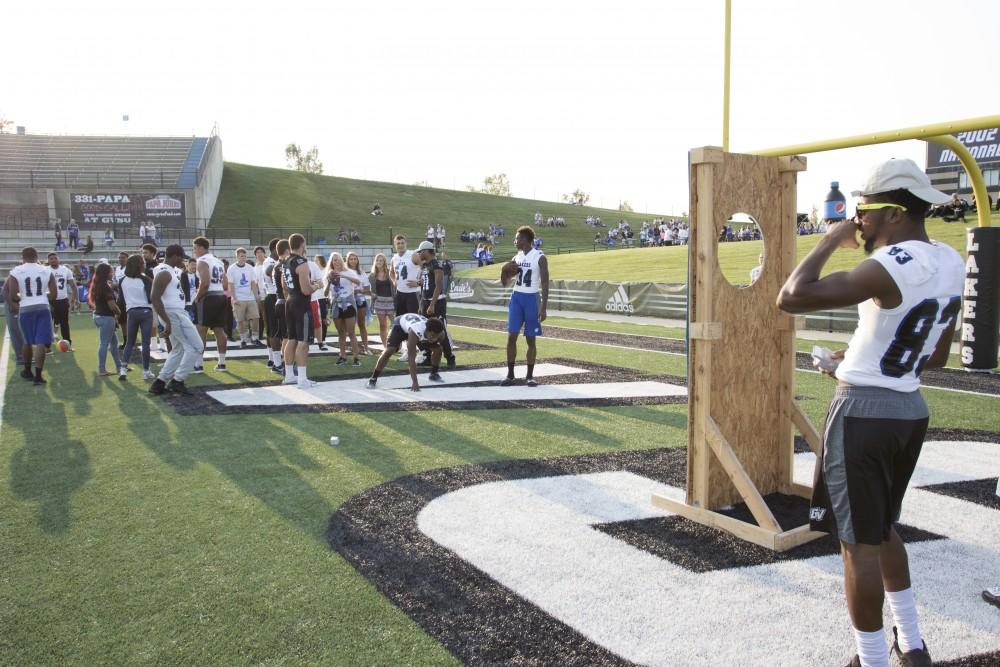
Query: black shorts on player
{"points": [[406, 302], [211, 311], [298, 320], [271, 317]]}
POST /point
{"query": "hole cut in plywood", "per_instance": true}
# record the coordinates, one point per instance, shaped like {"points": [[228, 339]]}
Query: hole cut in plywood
{"points": [[741, 249]]}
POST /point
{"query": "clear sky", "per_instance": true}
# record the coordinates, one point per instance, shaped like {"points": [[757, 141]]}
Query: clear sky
{"points": [[604, 96]]}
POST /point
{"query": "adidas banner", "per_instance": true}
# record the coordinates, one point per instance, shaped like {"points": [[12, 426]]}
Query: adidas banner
{"points": [[981, 298]]}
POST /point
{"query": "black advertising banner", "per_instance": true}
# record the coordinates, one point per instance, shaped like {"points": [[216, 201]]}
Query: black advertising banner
{"points": [[983, 144], [980, 316], [129, 210]]}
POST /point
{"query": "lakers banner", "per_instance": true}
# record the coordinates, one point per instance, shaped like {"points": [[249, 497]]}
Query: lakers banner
{"points": [[980, 317]]}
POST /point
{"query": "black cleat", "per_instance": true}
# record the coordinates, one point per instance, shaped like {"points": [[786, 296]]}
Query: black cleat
{"points": [[356, 362], [451, 362], [322, 347], [270, 363], [506, 382], [176, 387], [39, 381], [371, 383], [158, 387], [243, 345], [918, 657], [27, 375], [992, 595], [341, 361], [435, 377], [530, 382]]}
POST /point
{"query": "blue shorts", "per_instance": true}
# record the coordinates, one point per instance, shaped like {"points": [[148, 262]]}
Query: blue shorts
{"points": [[36, 325], [523, 311]]}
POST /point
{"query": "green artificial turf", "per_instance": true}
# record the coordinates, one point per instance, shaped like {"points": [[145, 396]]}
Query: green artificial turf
{"points": [[132, 535]]}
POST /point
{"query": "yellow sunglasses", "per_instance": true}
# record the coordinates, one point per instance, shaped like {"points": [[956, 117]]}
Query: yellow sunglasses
{"points": [[861, 208]]}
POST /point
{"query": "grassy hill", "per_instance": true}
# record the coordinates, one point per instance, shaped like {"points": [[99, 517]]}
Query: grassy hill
{"points": [[272, 200], [669, 264]]}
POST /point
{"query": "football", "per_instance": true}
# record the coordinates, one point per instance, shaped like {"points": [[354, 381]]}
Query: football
{"points": [[507, 273]]}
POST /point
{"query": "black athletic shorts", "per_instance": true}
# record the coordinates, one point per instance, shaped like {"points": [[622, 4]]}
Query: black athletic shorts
{"points": [[271, 316], [870, 449], [211, 311], [440, 308], [406, 302], [279, 318], [298, 319], [344, 313]]}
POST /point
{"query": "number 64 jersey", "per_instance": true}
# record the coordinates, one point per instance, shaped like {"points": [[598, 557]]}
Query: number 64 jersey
{"points": [[529, 277], [890, 346]]}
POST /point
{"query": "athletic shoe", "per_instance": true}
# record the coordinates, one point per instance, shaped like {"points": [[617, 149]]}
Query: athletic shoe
{"points": [[307, 384], [221, 368], [280, 370], [243, 345], [322, 347], [341, 361], [291, 380], [27, 375], [426, 361], [148, 375], [198, 369], [178, 387], [855, 661], [451, 362], [123, 375], [158, 387], [373, 381], [918, 657], [39, 381], [992, 595], [403, 357], [435, 377], [257, 343], [530, 382], [356, 362], [270, 363], [422, 357], [506, 382]]}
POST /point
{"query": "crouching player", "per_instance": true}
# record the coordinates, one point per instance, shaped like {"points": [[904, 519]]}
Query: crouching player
{"points": [[419, 333]]}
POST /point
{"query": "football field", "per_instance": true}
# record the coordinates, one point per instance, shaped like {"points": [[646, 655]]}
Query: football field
{"points": [[460, 525]]}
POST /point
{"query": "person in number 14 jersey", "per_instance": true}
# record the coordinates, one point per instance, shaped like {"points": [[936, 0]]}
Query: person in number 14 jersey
{"points": [[524, 309]]}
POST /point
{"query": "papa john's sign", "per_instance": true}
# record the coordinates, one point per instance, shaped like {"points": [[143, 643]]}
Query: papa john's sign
{"points": [[128, 209]]}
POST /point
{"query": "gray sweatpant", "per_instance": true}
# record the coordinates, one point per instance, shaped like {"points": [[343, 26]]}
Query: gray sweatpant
{"points": [[186, 347]]}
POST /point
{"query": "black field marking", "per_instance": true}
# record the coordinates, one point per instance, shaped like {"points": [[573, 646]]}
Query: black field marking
{"points": [[700, 549], [944, 378], [480, 621], [199, 403], [980, 491]]}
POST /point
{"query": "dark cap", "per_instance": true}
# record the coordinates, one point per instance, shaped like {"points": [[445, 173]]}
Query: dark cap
{"points": [[175, 250]]}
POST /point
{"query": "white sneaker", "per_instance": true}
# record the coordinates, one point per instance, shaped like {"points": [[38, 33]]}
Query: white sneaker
{"points": [[403, 357], [148, 375], [307, 384], [291, 380], [421, 358]]}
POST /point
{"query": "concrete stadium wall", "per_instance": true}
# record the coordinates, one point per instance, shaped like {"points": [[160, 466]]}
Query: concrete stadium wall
{"points": [[202, 199]]}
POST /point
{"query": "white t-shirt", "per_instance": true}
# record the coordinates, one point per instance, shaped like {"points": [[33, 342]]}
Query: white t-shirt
{"points": [[529, 276], [33, 279], [241, 280], [119, 273], [63, 276], [216, 269], [173, 295], [134, 292], [316, 273], [890, 346], [405, 269]]}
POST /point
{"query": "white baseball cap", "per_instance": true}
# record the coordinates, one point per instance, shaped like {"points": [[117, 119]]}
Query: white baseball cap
{"points": [[901, 174], [425, 245]]}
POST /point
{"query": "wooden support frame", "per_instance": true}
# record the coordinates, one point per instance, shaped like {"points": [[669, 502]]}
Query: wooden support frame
{"points": [[742, 412]]}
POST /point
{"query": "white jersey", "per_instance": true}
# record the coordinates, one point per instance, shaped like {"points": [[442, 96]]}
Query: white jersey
{"points": [[216, 269], [406, 270], [270, 287], [119, 273], [414, 324], [529, 276], [63, 276], [890, 346], [173, 295], [33, 279], [241, 280]]}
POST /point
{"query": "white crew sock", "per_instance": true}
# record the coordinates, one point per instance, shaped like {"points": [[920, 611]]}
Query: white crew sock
{"points": [[222, 357], [289, 371], [904, 613], [276, 357], [303, 378], [873, 651]]}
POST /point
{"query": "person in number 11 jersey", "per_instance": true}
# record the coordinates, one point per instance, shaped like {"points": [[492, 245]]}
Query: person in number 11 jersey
{"points": [[524, 309]]}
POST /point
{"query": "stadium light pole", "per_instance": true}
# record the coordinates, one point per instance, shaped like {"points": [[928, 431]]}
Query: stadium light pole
{"points": [[725, 78]]}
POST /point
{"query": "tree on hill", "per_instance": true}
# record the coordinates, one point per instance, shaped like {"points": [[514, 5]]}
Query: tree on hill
{"points": [[307, 162], [578, 197], [625, 207], [495, 184], [5, 124]]}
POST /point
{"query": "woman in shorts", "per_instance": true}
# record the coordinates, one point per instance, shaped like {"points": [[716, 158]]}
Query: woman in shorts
{"points": [[342, 283], [384, 299], [361, 293]]}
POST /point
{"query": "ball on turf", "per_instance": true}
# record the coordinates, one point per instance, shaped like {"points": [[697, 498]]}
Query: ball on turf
{"points": [[63, 345], [334, 440], [507, 272]]}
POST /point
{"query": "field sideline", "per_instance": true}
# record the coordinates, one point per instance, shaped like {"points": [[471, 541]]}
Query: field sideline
{"points": [[132, 534]]}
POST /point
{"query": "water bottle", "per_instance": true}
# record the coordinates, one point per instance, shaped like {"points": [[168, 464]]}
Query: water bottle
{"points": [[835, 204]]}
